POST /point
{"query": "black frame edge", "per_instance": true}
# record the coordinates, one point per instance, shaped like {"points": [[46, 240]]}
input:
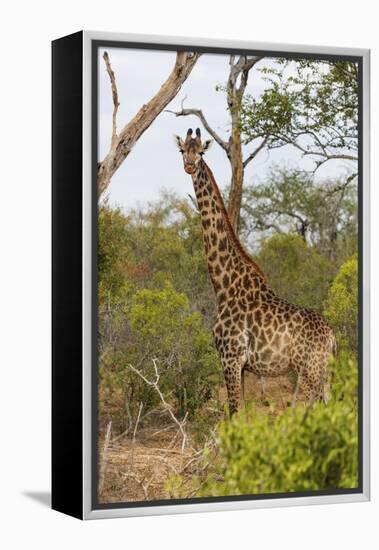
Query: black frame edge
{"points": [[67, 365]]}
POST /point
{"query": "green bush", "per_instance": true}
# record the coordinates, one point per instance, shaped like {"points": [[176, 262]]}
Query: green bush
{"points": [[164, 328], [296, 271], [344, 371], [155, 301], [165, 244], [157, 325], [295, 451], [342, 304], [111, 254]]}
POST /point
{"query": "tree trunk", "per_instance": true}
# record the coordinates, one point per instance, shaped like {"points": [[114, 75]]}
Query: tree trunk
{"points": [[236, 86], [235, 89], [235, 193], [123, 142]]}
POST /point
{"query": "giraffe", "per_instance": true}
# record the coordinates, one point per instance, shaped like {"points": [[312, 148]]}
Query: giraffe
{"points": [[255, 330]]}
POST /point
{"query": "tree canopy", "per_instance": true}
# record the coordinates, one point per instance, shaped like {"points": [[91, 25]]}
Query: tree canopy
{"points": [[310, 105]]}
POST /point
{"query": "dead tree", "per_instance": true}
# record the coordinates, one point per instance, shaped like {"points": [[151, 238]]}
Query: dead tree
{"points": [[235, 89], [122, 142]]}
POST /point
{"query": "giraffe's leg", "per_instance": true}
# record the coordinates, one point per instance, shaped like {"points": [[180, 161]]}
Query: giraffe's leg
{"points": [[325, 385], [305, 385], [312, 385], [307, 389], [243, 385], [300, 385], [314, 375], [326, 393], [326, 378], [233, 374], [263, 389], [318, 378]]}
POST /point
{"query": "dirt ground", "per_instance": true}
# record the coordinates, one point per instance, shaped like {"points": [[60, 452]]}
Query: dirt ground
{"points": [[138, 470]]}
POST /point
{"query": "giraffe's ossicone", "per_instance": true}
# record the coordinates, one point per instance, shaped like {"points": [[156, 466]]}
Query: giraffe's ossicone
{"points": [[255, 329]]}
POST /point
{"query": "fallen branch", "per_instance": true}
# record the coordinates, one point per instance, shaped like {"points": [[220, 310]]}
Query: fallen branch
{"points": [[167, 428]]}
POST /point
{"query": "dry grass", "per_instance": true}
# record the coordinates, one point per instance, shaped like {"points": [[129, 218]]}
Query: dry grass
{"points": [[138, 470]]}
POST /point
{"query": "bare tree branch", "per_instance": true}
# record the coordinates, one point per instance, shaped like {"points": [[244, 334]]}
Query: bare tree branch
{"points": [[123, 142], [255, 152], [200, 115], [155, 384], [341, 187], [246, 66], [250, 62], [114, 95], [325, 156]]}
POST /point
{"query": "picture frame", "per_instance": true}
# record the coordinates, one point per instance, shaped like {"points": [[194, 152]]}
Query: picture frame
{"points": [[75, 157]]}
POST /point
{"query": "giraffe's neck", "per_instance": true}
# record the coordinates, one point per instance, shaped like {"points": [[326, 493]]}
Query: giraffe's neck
{"points": [[225, 256]]}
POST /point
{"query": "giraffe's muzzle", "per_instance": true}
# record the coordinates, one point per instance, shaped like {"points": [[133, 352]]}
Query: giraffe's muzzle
{"points": [[189, 168]]}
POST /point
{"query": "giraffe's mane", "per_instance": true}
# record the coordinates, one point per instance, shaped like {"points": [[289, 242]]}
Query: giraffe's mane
{"points": [[229, 228]]}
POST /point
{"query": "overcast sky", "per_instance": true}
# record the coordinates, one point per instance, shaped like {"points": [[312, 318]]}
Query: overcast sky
{"points": [[155, 163]]}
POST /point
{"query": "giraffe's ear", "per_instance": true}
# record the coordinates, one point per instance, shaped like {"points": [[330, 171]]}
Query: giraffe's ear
{"points": [[207, 144], [179, 142]]}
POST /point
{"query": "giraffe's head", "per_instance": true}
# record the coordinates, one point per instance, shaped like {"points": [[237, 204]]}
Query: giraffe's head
{"points": [[192, 149]]}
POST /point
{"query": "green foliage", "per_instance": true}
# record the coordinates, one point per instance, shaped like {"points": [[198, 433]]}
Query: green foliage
{"points": [[165, 329], [307, 99], [112, 249], [157, 312], [296, 271], [325, 215], [299, 449], [158, 326], [295, 451], [342, 304], [155, 302], [344, 375], [205, 419], [165, 244]]}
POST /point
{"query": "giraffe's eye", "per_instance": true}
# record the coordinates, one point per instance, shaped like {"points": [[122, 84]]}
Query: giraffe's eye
{"points": [[181, 151], [201, 153]]}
